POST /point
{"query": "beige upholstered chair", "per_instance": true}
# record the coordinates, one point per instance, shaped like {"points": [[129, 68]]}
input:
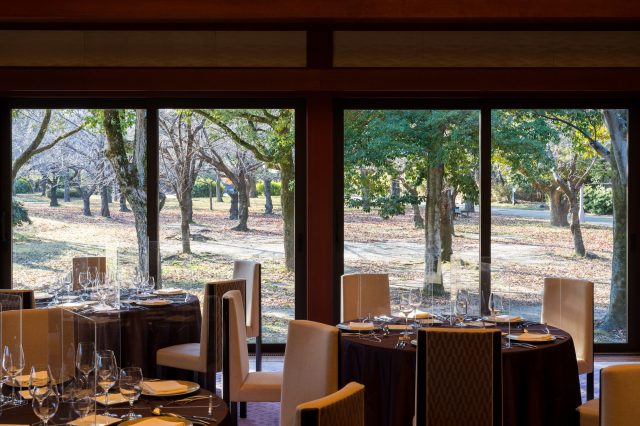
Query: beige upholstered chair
{"points": [[251, 272], [472, 358], [17, 299], [364, 294], [240, 385], [206, 356], [617, 405], [342, 408], [81, 264], [310, 366], [568, 304]]}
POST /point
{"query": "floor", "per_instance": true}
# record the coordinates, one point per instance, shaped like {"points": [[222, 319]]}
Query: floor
{"points": [[267, 413]]}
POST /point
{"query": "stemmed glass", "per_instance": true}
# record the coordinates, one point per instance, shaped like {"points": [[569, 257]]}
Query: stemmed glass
{"points": [[107, 374], [85, 359], [40, 381], [13, 364], [461, 307], [495, 304], [416, 302], [406, 308], [130, 383], [46, 407], [82, 398]]}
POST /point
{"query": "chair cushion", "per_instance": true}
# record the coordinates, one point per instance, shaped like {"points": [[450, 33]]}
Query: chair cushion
{"points": [[590, 413], [186, 357], [261, 386]]}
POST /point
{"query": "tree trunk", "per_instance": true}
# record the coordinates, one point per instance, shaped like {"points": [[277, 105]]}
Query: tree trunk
{"points": [[558, 207], [218, 191], [86, 202], [67, 187], [188, 200], [418, 221], [44, 186], [253, 186], [366, 197], [395, 188], [233, 208], [469, 205], [123, 203], [53, 192], [105, 197], [287, 200], [446, 226], [243, 202], [576, 231], [268, 202], [184, 227], [210, 189], [115, 192], [432, 273]]}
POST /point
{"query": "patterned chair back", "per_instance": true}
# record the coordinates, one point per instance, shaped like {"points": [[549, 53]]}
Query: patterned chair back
{"points": [[364, 294], [459, 377], [11, 300], [344, 407]]}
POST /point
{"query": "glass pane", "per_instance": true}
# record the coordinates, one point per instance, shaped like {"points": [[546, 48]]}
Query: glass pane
{"points": [[227, 191], [411, 193], [79, 181], [559, 208]]}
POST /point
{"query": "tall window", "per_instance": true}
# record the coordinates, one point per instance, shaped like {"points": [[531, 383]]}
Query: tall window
{"points": [[227, 192], [559, 208], [411, 189], [78, 179]]}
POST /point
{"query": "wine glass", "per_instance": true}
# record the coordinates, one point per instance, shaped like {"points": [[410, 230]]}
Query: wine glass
{"points": [[67, 281], [107, 374], [495, 304], [13, 364], [406, 308], [130, 383], [461, 307], [85, 358], [40, 380], [416, 302], [46, 407], [82, 398]]}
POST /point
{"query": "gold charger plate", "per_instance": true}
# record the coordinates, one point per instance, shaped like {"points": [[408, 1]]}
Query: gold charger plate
{"points": [[191, 388], [174, 420]]}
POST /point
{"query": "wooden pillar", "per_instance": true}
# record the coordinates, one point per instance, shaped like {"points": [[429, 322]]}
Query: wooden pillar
{"points": [[320, 209]]}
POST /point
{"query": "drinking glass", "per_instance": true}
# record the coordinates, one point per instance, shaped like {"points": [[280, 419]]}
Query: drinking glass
{"points": [[150, 285], [67, 281], [107, 374], [406, 308], [130, 383], [461, 307], [13, 364], [40, 381], [82, 399], [416, 302], [495, 304], [85, 359], [46, 407]]}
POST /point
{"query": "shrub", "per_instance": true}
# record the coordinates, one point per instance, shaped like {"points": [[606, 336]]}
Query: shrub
{"points": [[19, 214], [22, 186], [598, 200], [201, 188], [276, 187]]}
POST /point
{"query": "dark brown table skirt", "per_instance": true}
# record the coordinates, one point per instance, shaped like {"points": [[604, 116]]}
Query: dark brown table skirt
{"points": [[540, 386]]}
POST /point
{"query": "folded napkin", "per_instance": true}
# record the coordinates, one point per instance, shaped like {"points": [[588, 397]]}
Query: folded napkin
{"points": [[95, 420], [42, 295], [25, 394], [504, 318], [169, 291], [163, 387], [360, 326], [72, 305], [534, 336], [114, 399], [399, 327], [23, 380], [154, 302], [420, 314], [159, 421]]}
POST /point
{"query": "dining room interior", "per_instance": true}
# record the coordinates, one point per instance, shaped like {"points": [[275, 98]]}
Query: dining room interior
{"points": [[319, 214]]}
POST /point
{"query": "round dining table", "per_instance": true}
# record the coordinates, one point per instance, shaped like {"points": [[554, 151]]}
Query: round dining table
{"points": [[219, 414], [135, 332], [540, 384]]}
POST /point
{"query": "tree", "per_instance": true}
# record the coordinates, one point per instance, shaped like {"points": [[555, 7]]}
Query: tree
{"points": [[180, 143], [128, 159], [269, 135]]}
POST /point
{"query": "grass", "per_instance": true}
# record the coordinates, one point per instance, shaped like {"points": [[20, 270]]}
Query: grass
{"points": [[524, 251]]}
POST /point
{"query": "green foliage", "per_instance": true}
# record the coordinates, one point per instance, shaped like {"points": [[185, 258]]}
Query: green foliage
{"points": [[276, 188], [201, 188], [598, 199], [22, 186], [19, 214]]}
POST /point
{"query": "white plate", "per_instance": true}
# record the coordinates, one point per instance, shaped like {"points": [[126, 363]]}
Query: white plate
{"points": [[72, 305], [169, 291], [155, 302], [347, 327], [40, 295], [414, 342], [532, 337]]}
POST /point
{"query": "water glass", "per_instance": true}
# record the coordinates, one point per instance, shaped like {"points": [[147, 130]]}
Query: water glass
{"points": [[461, 307], [107, 374], [130, 383], [85, 358], [46, 407], [13, 364], [40, 381], [495, 304]]}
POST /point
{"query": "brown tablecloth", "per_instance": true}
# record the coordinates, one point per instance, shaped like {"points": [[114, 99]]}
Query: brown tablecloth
{"points": [[24, 414], [540, 386]]}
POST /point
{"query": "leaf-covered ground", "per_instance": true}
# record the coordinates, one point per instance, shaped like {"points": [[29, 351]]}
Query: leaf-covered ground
{"points": [[524, 250]]}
